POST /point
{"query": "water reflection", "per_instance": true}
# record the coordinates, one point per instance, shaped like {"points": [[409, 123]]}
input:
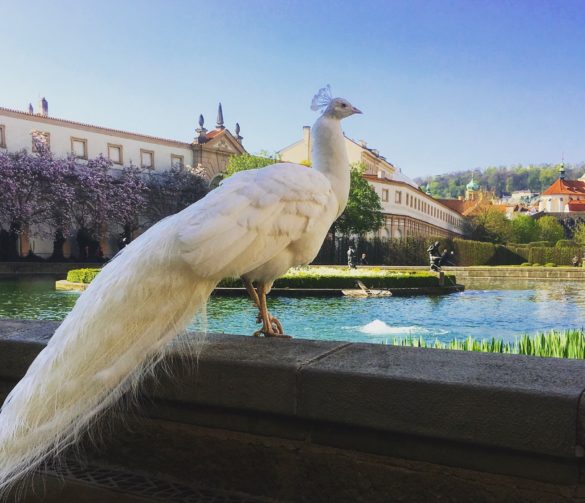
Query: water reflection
{"points": [[503, 309]]}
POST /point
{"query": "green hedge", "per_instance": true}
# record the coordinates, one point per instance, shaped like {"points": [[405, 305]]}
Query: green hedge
{"points": [[469, 252], [387, 280], [307, 278], [82, 275], [554, 255], [563, 243]]}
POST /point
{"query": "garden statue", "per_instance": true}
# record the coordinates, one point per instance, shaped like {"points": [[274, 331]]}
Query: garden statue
{"points": [[350, 257]]}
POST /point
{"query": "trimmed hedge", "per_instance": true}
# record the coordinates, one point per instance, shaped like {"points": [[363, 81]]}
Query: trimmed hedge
{"points": [[563, 243], [345, 280], [469, 252], [329, 278], [554, 255], [82, 275]]}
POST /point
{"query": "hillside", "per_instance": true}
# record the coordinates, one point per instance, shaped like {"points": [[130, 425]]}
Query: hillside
{"points": [[502, 179]]}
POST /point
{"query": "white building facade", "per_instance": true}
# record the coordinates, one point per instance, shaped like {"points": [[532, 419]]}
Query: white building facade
{"points": [[208, 152], [408, 211]]}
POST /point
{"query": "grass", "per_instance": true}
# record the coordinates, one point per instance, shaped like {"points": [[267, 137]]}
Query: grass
{"points": [[557, 344]]}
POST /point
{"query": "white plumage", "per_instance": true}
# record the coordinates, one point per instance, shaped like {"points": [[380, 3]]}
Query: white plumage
{"points": [[256, 225]]}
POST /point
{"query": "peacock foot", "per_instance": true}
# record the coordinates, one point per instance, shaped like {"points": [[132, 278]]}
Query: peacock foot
{"points": [[269, 333], [271, 328]]}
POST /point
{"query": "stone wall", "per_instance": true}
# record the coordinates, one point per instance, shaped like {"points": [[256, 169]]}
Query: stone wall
{"points": [[299, 420]]}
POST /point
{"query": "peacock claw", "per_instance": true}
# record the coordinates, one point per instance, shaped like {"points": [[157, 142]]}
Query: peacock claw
{"points": [[267, 333]]}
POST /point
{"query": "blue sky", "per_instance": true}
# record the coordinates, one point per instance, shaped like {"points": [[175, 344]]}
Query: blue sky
{"points": [[444, 85]]}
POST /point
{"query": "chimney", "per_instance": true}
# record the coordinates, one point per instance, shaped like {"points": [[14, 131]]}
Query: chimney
{"points": [[44, 106], [363, 143], [307, 140]]}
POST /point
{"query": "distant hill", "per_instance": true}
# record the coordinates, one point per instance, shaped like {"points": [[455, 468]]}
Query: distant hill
{"points": [[502, 179]]}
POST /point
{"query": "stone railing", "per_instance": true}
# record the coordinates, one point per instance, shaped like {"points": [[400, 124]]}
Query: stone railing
{"points": [[301, 420]]}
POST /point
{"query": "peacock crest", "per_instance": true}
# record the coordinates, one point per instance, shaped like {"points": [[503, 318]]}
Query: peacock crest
{"points": [[322, 99]]}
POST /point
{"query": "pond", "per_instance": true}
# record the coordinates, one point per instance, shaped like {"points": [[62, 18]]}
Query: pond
{"points": [[486, 309]]}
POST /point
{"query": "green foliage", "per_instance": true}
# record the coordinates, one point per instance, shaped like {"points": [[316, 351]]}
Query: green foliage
{"points": [[491, 225], [363, 212], [579, 234], [553, 254], [525, 264], [346, 279], [555, 344], [550, 264], [500, 179], [524, 229], [468, 252], [562, 243], [243, 162], [550, 229], [82, 275]]}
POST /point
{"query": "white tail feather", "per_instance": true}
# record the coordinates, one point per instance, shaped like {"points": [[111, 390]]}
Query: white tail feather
{"points": [[116, 333]]}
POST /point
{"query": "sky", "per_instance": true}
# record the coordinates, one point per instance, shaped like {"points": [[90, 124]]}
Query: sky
{"points": [[444, 85]]}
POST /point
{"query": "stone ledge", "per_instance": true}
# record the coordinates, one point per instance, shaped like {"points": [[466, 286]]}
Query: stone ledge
{"points": [[500, 414]]}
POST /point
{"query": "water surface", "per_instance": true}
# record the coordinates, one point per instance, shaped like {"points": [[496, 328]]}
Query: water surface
{"points": [[501, 309]]}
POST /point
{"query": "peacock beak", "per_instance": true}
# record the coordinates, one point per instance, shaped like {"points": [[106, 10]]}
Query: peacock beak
{"points": [[356, 110]]}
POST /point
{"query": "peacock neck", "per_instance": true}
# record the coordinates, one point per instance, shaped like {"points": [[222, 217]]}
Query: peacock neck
{"points": [[330, 156]]}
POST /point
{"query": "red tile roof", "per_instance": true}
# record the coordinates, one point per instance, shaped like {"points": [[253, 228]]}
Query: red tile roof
{"points": [[576, 205], [214, 133], [569, 187]]}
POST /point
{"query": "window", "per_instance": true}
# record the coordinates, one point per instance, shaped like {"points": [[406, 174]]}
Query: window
{"points": [[177, 161], [147, 158], [42, 136], [398, 197], [79, 147], [407, 201], [384, 195], [115, 153], [2, 136]]}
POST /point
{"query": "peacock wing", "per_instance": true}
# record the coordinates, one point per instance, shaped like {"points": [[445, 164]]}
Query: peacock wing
{"points": [[251, 217]]}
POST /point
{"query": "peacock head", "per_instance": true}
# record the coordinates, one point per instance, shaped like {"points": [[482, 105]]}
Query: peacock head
{"points": [[338, 108]]}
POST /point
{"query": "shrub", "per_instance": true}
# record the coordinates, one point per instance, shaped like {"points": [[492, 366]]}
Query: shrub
{"points": [[550, 264], [535, 264], [343, 278], [561, 243], [469, 252], [525, 264], [82, 275]]}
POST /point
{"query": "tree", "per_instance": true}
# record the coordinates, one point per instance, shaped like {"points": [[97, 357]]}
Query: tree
{"points": [[243, 162], [363, 212], [550, 229], [31, 188], [524, 229], [172, 191], [579, 234], [491, 225]]}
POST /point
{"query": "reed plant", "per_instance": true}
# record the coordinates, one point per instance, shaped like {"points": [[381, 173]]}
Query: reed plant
{"points": [[555, 344]]}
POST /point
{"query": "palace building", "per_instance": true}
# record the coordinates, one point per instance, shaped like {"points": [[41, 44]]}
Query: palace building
{"points": [[408, 211], [208, 152]]}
